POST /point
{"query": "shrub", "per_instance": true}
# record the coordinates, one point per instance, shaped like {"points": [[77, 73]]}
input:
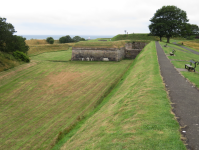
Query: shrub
{"points": [[21, 56], [65, 39], [51, 41], [82, 39], [77, 38], [48, 39]]}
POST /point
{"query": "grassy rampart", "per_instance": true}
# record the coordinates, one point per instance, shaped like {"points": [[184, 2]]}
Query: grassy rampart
{"points": [[135, 115], [101, 44], [135, 37]]}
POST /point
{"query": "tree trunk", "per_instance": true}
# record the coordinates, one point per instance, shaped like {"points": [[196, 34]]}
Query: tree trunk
{"points": [[168, 39], [160, 38]]}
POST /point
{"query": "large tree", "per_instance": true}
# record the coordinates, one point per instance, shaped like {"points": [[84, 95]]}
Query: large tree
{"points": [[8, 41], [168, 21], [6, 33]]}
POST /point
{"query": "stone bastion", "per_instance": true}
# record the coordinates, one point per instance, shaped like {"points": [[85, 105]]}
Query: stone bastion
{"points": [[131, 50]]}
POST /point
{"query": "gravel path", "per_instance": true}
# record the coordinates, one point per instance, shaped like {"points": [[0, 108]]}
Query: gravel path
{"points": [[185, 98]]}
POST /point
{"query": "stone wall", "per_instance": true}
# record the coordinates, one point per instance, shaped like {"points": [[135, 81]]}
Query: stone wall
{"points": [[132, 53], [97, 54], [135, 45], [131, 50]]}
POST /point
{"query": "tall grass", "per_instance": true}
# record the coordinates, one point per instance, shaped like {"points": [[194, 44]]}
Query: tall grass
{"points": [[35, 42], [7, 61], [193, 44]]}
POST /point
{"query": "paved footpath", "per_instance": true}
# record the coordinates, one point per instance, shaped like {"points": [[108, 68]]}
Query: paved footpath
{"points": [[185, 98], [197, 53]]}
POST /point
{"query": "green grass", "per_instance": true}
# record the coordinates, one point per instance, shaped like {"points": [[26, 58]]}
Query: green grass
{"points": [[100, 44], [193, 77], [54, 56], [42, 48], [135, 115], [135, 37], [39, 102], [180, 55], [7, 61]]}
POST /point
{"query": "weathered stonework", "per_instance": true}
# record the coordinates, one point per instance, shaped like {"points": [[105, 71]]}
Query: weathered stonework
{"points": [[97, 54], [131, 50]]}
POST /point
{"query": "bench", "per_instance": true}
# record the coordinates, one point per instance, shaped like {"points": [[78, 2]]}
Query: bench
{"points": [[172, 53], [190, 67]]}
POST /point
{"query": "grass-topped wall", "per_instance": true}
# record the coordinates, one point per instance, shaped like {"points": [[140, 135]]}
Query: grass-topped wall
{"points": [[135, 37]]}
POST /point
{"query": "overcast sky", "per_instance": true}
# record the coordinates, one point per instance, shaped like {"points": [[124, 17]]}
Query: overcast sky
{"points": [[88, 17]]}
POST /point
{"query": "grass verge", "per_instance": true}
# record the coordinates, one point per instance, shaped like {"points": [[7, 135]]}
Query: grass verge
{"points": [[135, 115], [180, 59]]}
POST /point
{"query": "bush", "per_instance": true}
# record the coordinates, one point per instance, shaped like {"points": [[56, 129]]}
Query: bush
{"points": [[77, 38], [48, 39], [65, 39], [51, 41], [21, 56], [82, 39]]}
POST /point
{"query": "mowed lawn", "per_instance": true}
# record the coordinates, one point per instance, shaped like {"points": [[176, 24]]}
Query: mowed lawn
{"points": [[180, 59], [135, 115], [40, 101]]}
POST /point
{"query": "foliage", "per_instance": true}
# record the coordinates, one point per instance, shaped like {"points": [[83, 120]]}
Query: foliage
{"points": [[17, 44], [168, 21], [76, 38], [6, 33], [8, 41], [21, 56], [82, 39], [7, 61], [50, 40], [66, 39]]}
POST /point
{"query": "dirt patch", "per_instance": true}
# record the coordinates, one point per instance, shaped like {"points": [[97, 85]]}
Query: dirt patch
{"points": [[57, 80]]}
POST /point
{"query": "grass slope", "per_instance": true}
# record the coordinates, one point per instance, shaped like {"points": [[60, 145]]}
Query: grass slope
{"points": [[7, 61], [38, 102], [135, 115], [135, 37]]}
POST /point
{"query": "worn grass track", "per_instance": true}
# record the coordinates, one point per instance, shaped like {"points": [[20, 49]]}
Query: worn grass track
{"points": [[42, 100], [135, 115]]}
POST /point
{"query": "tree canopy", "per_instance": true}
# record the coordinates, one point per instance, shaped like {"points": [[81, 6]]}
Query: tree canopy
{"points": [[168, 21], [76, 38], [8, 41], [66, 39]]}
